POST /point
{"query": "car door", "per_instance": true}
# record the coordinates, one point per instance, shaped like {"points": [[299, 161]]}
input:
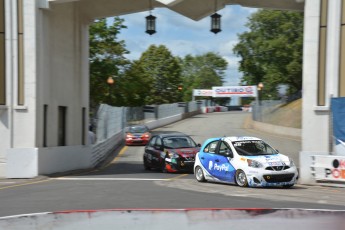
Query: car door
{"points": [[150, 152], [215, 158], [223, 169], [157, 152]]}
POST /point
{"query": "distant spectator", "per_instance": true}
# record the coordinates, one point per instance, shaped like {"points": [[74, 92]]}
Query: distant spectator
{"points": [[92, 136]]}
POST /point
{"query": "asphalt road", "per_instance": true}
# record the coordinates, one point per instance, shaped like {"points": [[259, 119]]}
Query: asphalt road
{"points": [[124, 184]]}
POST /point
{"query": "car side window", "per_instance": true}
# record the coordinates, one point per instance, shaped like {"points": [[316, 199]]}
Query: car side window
{"points": [[224, 149], [152, 142], [211, 147], [158, 142]]}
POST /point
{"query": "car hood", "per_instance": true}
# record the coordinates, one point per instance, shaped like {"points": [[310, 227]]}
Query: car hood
{"points": [[186, 152], [271, 160]]}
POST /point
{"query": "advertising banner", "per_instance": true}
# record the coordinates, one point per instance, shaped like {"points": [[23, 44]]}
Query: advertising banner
{"points": [[338, 117], [329, 168], [202, 92], [239, 91]]}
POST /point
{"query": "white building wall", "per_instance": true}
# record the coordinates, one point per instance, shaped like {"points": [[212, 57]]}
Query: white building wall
{"points": [[316, 122], [56, 74]]}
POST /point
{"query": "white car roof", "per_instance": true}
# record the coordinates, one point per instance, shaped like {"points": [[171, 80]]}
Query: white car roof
{"points": [[242, 138]]}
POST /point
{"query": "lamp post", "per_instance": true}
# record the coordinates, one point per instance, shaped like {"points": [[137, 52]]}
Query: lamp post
{"points": [[110, 82], [260, 87]]}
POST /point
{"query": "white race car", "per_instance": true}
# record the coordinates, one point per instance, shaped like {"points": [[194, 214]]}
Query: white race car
{"points": [[245, 161]]}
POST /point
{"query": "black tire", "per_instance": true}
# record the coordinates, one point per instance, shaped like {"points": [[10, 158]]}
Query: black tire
{"points": [[146, 167], [288, 186], [199, 174], [241, 178], [164, 169]]}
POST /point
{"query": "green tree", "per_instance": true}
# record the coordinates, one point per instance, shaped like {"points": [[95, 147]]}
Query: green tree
{"points": [[137, 85], [202, 72], [106, 59], [162, 72], [271, 51]]}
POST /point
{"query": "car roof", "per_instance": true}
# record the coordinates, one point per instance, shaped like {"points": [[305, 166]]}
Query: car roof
{"points": [[172, 134], [137, 126], [235, 138], [242, 138]]}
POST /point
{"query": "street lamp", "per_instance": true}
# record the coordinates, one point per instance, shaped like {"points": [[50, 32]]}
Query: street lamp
{"points": [[110, 80], [215, 20], [260, 87], [150, 22], [215, 23]]}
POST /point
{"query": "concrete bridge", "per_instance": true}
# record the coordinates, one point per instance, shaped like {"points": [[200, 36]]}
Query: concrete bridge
{"points": [[44, 78]]}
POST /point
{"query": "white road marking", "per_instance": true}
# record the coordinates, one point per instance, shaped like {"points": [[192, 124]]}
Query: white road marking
{"points": [[7, 182], [109, 179]]}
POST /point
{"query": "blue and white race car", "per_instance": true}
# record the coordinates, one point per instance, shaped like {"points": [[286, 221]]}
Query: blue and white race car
{"points": [[245, 161]]}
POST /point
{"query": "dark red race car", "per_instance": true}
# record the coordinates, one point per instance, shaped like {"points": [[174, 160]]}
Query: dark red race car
{"points": [[137, 135], [171, 152]]}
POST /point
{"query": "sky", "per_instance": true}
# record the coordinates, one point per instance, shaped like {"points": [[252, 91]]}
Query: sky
{"points": [[183, 36]]}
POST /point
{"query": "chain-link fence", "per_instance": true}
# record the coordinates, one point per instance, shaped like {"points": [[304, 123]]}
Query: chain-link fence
{"points": [[111, 122]]}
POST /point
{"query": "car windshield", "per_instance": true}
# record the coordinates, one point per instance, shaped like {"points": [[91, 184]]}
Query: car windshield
{"points": [[138, 129], [253, 148], [178, 142]]}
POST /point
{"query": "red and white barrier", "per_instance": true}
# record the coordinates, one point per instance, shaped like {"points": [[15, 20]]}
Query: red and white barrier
{"points": [[191, 219]]}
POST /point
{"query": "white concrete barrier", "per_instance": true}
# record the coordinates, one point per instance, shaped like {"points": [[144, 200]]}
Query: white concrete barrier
{"points": [[198, 219]]}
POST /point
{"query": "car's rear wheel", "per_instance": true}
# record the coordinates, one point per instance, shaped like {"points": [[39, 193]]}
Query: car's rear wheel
{"points": [[241, 178], [199, 174]]}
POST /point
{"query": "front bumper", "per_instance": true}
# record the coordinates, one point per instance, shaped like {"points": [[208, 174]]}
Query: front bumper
{"points": [[271, 178], [179, 165], [136, 141]]}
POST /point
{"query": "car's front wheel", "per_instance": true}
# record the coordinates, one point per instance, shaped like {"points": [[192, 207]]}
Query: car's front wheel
{"points": [[199, 174], [241, 178], [288, 186], [146, 166]]}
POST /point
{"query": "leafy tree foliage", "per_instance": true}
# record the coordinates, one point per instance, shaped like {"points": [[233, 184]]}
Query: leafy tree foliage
{"points": [[106, 59], [161, 72], [271, 51], [202, 72]]}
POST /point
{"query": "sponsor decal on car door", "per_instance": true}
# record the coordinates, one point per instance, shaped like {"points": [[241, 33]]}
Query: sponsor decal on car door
{"points": [[219, 167]]}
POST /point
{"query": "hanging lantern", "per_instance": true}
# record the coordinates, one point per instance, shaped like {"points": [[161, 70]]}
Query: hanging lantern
{"points": [[150, 24], [215, 23]]}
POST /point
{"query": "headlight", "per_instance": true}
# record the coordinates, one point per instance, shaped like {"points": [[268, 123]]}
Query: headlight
{"points": [[171, 155], [146, 135], [254, 164]]}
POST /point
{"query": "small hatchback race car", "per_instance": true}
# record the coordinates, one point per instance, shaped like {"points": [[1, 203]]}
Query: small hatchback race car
{"points": [[170, 152], [137, 135], [245, 161]]}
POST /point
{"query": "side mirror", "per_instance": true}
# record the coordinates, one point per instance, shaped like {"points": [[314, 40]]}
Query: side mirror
{"points": [[199, 145], [230, 154]]}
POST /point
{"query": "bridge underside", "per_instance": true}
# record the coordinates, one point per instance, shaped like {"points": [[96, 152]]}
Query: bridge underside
{"points": [[193, 9]]}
